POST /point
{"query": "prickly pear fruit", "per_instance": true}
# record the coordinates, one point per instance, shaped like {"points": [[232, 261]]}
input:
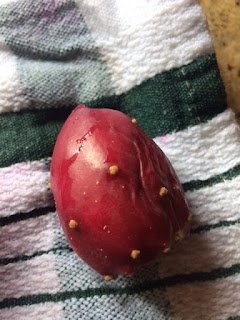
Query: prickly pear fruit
{"points": [[118, 198]]}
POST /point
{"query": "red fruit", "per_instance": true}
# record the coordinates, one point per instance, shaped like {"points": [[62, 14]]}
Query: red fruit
{"points": [[118, 198]]}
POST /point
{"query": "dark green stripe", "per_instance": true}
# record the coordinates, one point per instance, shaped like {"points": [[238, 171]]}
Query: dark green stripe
{"points": [[57, 250], [168, 102], [220, 224], [234, 318], [199, 184], [219, 273], [24, 216], [173, 100], [29, 135]]}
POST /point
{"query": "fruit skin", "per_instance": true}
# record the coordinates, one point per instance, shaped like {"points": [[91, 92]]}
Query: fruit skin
{"points": [[118, 198]]}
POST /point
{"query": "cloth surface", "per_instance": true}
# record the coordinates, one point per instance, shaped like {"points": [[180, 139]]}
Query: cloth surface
{"points": [[153, 60]]}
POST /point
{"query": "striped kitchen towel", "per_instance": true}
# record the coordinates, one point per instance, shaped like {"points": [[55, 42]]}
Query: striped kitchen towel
{"points": [[153, 60]]}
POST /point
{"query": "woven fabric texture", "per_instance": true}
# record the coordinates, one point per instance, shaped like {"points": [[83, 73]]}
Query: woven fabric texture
{"points": [[154, 61]]}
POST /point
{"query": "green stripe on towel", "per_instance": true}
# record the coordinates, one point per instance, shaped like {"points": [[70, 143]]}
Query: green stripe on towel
{"points": [[173, 100], [199, 184], [29, 135], [220, 224], [4, 221], [179, 98], [58, 250], [215, 274]]}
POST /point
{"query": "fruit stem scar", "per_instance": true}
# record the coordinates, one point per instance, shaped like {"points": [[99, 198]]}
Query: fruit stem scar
{"points": [[163, 191], [135, 254], [166, 250], [113, 169], [107, 278], [134, 121], [72, 224]]}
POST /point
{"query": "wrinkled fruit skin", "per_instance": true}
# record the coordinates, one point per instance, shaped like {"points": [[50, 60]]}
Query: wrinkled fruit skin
{"points": [[118, 198]]}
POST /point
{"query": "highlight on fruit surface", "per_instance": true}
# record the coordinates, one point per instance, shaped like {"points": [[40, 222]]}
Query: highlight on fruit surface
{"points": [[118, 199]]}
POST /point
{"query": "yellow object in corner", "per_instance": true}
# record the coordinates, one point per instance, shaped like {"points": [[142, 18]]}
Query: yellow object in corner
{"points": [[223, 17]]}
